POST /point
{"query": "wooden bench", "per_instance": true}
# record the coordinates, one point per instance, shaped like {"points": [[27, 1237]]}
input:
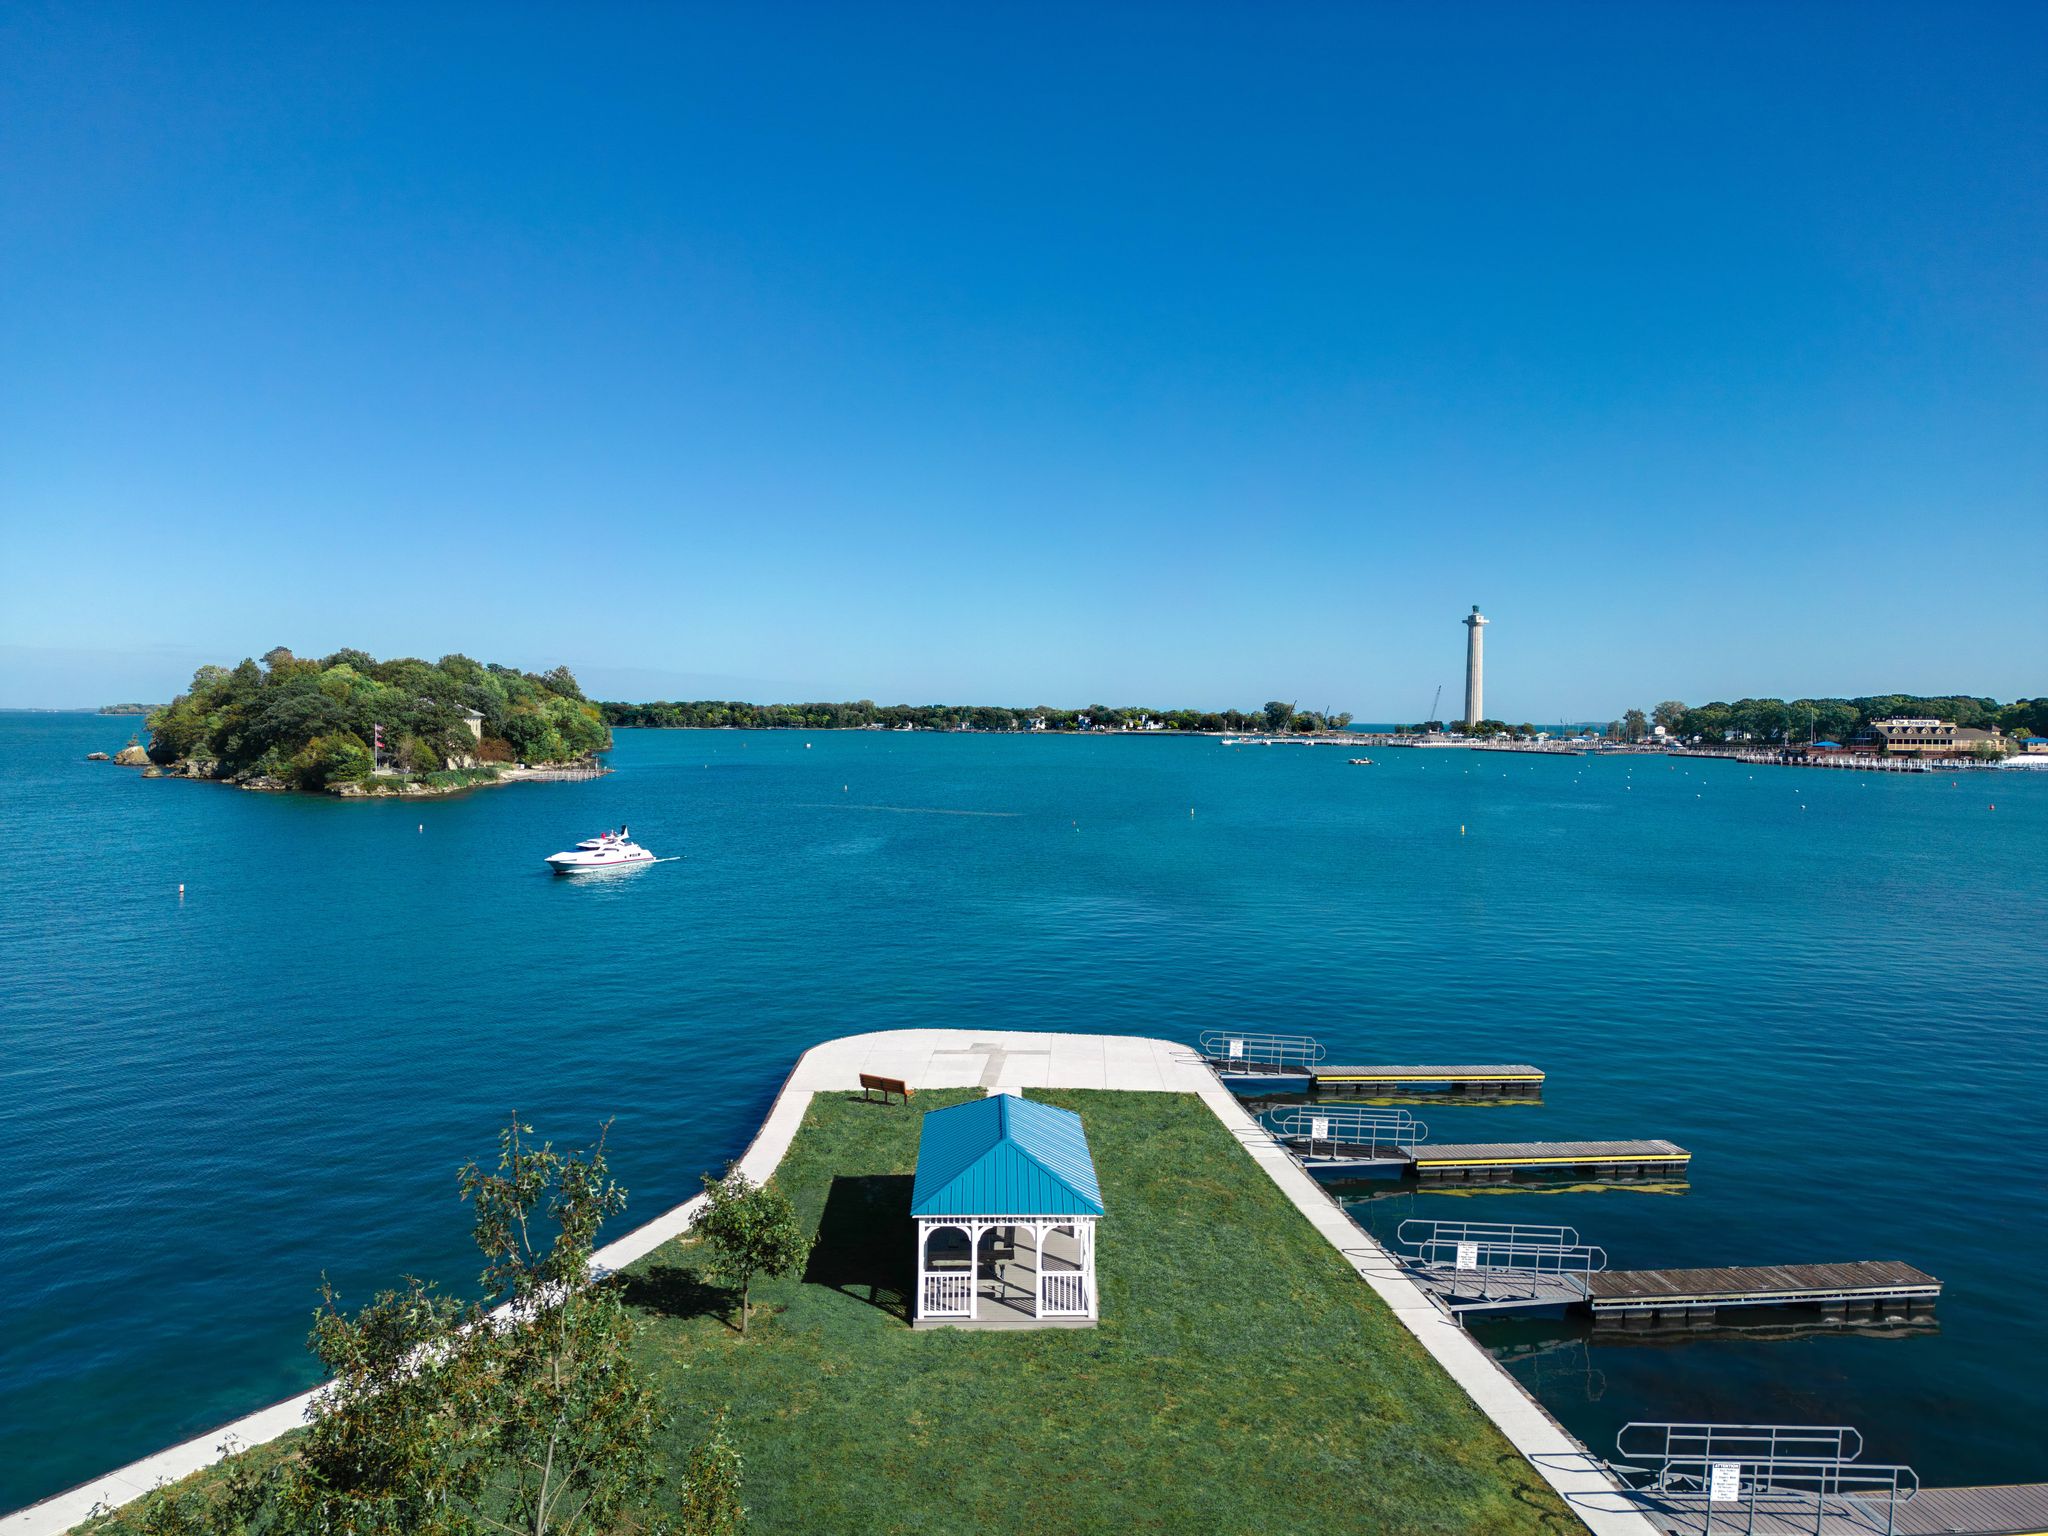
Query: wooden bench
{"points": [[871, 1084]]}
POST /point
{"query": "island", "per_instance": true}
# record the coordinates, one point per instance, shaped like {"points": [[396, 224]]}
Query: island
{"points": [[126, 709], [351, 725]]}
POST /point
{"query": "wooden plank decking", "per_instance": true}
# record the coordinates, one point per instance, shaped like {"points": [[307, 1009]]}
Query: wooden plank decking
{"points": [[1562, 1156], [1763, 1285], [1517, 1076], [2013, 1509]]}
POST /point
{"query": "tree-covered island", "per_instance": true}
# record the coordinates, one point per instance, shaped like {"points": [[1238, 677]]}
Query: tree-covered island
{"points": [[350, 724]]}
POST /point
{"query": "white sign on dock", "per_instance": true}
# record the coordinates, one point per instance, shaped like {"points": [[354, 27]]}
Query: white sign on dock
{"points": [[1468, 1256], [1319, 1127], [1724, 1482], [1236, 1050]]}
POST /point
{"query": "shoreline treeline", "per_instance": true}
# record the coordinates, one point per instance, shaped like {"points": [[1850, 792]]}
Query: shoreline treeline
{"points": [[1839, 720], [865, 714]]}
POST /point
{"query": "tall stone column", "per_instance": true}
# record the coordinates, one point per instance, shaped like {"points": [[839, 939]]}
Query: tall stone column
{"points": [[1475, 666]]}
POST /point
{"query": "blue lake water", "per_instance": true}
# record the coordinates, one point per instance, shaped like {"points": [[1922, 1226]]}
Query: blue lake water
{"points": [[1831, 987]]}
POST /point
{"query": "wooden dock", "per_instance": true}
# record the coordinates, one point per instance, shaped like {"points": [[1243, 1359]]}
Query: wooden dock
{"points": [[1861, 1288], [1515, 1078], [1486, 1162], [2010, 1509]]}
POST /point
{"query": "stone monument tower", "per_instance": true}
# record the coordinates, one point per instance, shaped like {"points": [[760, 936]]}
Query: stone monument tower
{"points": [[1475, 667]]}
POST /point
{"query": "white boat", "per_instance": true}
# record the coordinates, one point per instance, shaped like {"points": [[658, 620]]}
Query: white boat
{"points": [[609, 850]]}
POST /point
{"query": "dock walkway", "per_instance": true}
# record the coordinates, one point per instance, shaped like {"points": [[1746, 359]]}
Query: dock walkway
{"points": [[1859, 1286], [1499, 1160], [1514, 1077], [2011, 1509]]}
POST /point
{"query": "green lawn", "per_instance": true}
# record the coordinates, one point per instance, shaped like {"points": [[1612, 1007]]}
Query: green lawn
{"points": [[1242, 1378]]}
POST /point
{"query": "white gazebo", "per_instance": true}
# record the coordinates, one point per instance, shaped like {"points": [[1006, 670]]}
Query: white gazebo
{"points": [[1006, 1203]]}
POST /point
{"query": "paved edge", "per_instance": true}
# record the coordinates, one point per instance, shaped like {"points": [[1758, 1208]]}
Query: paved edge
{"points": [[996, 1060]]}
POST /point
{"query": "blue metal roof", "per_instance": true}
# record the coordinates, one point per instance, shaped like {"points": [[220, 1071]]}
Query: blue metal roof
{"points": [[1004, 1156]]}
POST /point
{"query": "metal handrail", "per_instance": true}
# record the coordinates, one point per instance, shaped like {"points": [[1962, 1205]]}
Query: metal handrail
{"points": [[1425, 1230], [1504, 1271], [1237, 1047], [1745, 1465], [1755, 1444], [1350, 1125]]}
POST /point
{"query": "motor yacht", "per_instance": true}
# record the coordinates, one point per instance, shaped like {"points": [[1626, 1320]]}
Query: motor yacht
{"points": [[608, 850]]}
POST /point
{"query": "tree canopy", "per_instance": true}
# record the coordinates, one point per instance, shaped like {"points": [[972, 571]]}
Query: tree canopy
{"points": [[314, 723]]}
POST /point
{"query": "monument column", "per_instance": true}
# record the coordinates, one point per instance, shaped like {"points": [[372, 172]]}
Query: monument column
{"points": [[1475, 687]]}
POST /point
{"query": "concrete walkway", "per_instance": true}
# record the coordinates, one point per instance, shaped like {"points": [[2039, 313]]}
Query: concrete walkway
{"points": [[996, 1060]]}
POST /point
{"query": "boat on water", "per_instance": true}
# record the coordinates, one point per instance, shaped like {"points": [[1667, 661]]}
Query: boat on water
{"points": [[1361, 762], [608, 850]]}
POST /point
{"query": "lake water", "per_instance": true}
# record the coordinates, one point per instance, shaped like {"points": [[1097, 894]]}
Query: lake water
{"points": [[1831, 987]]}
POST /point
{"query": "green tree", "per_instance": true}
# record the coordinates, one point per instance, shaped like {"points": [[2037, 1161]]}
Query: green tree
{"points": [[1670, 714], [1278, 713], [227, 1509], [753, 1231], [450, 1420], [1633, 725], [712, 1482], [571, 1427], [396, 1441]]}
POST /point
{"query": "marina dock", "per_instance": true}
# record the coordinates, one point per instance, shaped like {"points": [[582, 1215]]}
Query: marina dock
{"points": [[1246, 1059], [1336, 1140], [1500, 1160], [1468, 1266], [1513, 1078], [1801, 1480], [1861, 1288]]}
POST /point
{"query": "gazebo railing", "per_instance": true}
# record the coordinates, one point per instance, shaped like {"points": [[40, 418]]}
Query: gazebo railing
{"points": [[950, 1294], [1062, 1293]]}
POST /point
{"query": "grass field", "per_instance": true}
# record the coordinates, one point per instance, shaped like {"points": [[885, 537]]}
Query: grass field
{"points": [[1242, 1378]]}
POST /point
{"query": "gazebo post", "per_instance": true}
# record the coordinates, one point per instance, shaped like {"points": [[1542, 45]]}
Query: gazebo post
{"points": [[974, 1230], [924, 1234]]}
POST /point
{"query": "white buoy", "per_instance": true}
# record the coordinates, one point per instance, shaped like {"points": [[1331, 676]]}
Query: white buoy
{"points": [[181, 890]]}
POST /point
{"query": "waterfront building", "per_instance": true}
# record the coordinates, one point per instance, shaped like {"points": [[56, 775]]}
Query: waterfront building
{"points": [[1921, 738], [1475, 683]]}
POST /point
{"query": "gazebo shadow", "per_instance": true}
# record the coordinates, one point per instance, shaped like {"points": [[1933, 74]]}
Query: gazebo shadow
{"points": [[866, 1246]]}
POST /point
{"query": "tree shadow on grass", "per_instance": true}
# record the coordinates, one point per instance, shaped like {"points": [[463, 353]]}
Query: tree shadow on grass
{"points": [[672, 1290], [867, 1244]]}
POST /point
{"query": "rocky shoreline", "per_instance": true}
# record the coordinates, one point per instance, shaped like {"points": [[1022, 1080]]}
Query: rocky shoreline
{"points": [[394, 786]]}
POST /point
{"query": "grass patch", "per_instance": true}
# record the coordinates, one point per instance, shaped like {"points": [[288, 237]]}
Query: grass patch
{"points": [[1242, 1378]]}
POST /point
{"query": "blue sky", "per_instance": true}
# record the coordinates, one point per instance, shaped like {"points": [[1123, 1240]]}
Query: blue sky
{"points": [[1031, 354]]}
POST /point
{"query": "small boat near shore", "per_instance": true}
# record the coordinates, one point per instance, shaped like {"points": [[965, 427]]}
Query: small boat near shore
{"points": [[1361, 762], [608, 850]]}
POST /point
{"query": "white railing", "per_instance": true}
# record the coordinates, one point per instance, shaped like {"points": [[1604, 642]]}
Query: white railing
{"points": [[1063, 1293], [948, 1295]]}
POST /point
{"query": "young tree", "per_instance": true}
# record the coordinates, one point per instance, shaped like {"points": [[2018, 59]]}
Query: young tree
{"points": [[446, 1420], [710, 1501], [753, 1230], [394, 1443], [571, 1426]]}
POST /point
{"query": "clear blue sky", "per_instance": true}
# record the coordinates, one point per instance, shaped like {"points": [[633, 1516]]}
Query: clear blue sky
{"points": [[1168, 354]]}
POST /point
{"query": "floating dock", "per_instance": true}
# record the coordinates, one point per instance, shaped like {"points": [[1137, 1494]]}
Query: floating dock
{"points": [[1862, 1288], [1496, 1080], [2013, 1509], [1498, 1161], [1801, 1480], [1243, 1058], [1473, 1266]]}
